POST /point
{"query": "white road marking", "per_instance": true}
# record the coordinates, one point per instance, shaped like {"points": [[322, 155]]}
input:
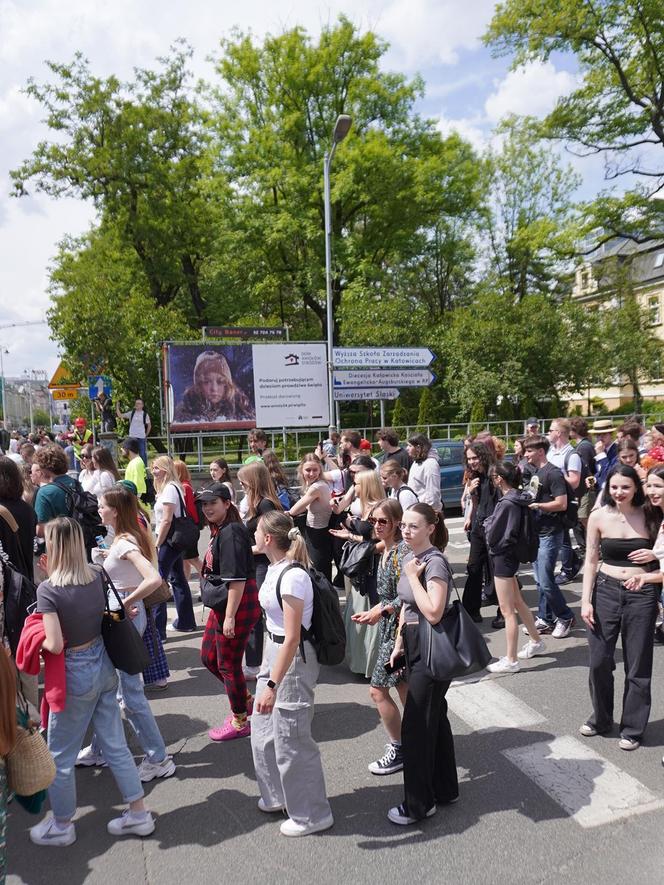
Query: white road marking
{"points": [[592, 790], [486, 706]]}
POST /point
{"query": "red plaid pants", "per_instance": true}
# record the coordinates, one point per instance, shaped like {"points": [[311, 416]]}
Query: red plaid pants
{"points": [[223, 656]]}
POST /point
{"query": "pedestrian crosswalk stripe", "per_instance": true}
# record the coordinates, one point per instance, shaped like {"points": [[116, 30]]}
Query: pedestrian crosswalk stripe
{"points": [[488, 707], [591, 789]]}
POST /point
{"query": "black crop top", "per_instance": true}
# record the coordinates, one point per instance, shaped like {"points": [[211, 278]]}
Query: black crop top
{"points": [[614, 551]]}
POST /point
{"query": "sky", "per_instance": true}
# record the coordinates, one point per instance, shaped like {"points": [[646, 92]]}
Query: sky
{"points": [[466, 90]]}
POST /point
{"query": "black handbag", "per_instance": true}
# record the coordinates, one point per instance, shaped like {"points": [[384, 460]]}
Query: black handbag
{"points": [[214, 592], [123, 642], [183, 533], [357, 559], [454, 646]]}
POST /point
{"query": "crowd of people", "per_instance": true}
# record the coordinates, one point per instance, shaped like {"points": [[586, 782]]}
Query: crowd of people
{"points": [[372, 527]]}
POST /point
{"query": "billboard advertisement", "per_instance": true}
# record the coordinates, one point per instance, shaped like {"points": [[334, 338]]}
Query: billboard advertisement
{"points": [[238, 386]]}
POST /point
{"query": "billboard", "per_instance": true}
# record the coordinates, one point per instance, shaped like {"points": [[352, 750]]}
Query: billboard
{"points": [[238, 386]]}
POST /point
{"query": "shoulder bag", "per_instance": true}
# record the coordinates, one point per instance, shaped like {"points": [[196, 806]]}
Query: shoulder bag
{"points": [[454, 646], [163, 593], [123, 642], [183, 533]]}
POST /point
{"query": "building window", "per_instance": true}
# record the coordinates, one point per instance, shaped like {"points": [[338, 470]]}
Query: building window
{"points": [[659, 259], [654, 310]]}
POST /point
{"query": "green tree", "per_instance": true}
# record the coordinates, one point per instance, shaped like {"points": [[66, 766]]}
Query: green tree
{"points": [[618, 108]]}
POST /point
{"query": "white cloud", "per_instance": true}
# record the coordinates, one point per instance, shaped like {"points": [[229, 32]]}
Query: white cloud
{"points": [[531, 90], [473, 129]]}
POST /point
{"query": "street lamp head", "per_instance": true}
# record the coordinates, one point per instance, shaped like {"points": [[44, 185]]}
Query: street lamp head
{"points": [[341, 128]]}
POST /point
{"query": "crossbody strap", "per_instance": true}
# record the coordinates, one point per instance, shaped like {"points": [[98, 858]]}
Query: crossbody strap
{"points": [[8, 517]]}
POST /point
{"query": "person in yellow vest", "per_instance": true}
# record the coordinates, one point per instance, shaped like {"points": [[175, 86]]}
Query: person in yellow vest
{"points": [[80, 437]]}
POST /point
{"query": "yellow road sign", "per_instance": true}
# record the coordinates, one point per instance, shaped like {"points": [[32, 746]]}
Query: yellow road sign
{"points": [[66, 393], [62, 378]]}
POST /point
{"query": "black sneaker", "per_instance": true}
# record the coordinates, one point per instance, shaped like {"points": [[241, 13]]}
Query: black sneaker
{"points": [[390, 762]]}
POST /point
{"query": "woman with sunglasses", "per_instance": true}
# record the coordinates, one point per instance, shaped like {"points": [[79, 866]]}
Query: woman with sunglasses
{"points": [[385, 518], [429, 765], [86, 475]]}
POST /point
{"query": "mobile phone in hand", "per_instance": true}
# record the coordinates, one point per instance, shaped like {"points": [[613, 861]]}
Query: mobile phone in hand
{"points": [[399, 664]]}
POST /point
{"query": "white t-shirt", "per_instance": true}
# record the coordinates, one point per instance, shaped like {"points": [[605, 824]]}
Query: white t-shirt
{"points": [[136, 424], [121, 571], [405, 496], [168, 495], [96, 481], [296, 582]]}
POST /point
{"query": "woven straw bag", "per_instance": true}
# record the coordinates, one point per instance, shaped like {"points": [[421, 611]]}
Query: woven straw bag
{"points": [[30, 766]]}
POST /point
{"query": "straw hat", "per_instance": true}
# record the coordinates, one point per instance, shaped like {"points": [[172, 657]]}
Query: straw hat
{"points": [[603, 425]]}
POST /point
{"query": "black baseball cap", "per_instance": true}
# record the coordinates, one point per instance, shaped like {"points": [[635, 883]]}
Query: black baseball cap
{"points": [[214, 490], [530, 421]]}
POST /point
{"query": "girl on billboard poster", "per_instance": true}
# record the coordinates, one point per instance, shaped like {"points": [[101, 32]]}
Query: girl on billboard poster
{"points": [[213, 397]]}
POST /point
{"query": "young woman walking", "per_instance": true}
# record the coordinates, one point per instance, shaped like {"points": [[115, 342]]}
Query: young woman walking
{"points": [[429, 765], [393, 476], [620, 599], [72, 601], [502, 536], [130, 564], [220, 472], [286, 758], [229, 557], [315, 502], [386, 518]]}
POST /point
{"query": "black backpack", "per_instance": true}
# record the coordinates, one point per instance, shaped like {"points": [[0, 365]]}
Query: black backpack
{"points": [[84, 508], [149, 496], [527, 544], [327, 633], [20, 593], [570, 517], [404, 489]]}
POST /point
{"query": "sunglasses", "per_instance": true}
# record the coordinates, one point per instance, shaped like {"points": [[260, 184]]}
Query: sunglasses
{"points": [[378, 520], [86, 457]]}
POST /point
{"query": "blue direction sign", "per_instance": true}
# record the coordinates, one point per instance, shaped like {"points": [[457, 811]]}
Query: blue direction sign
{"points": [[99, 384], [382, 378], [344, 394], [382, 357]]}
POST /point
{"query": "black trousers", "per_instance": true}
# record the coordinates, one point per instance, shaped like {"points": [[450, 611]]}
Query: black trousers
{"points": [[630, 615], [429, 764], [253, 654], [319, 548], [478, 561]]}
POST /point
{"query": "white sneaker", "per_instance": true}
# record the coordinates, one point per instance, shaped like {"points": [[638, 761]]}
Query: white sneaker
{"points": [[563, 628], [47, 832], [269, 809], [504, 665], [541, 626], [148, 771], [397, 815], [131, 825], [531, 648], [290, 828], [87, 757], [251, 673]]}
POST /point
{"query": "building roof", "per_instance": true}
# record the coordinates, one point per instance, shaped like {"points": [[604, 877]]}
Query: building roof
{"points": [[646, 259]]}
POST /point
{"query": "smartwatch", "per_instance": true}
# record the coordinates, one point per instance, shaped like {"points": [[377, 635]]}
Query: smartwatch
{"points": [[272, 684]]}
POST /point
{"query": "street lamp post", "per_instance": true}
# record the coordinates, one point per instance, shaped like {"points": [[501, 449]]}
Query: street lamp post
{"points": [[3, 351], [341, 130]]}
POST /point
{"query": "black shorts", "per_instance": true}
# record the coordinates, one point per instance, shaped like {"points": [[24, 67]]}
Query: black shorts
{"points": [[504, 565]]}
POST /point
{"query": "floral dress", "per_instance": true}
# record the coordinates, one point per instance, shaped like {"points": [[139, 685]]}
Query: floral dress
{"points": [[389, 571]]}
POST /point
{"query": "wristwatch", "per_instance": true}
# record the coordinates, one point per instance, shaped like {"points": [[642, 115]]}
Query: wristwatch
{"points": [[272, 684]]}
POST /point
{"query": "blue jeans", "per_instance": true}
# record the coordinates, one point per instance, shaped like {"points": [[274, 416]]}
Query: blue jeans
{"points": [[552, 603], [143, 449], [136, 706], [91, 686], [170, 568]]}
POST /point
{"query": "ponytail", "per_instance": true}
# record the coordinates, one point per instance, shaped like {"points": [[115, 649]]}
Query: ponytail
{"points": [[286, 536]]}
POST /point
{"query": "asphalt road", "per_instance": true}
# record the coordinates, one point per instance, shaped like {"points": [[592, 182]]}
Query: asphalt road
{"points": [[538, 804]]}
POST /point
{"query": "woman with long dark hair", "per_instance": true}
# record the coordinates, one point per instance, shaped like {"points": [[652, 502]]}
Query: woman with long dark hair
{"points": [[229, 557], [429, 765], [478, 459], [220, 472], [620, 599]]}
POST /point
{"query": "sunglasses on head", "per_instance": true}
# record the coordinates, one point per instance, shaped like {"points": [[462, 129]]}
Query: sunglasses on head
{"points": [[378, 520]]}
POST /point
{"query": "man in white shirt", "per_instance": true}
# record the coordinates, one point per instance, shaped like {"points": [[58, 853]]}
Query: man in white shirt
{"points": [[139, 426], [561, 454]]}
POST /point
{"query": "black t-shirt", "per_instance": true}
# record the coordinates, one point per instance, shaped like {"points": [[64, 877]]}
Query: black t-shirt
{"points": [[487, 495], [19, 546], [586, 451], [546, 485], [231, 553], [401, 456]]}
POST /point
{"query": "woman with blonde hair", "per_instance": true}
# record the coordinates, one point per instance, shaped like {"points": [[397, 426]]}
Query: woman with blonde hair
{"points": [[169, 505], [315, 502], [72, 601], [362, 642], [262, 497], [286, 758], [129, 562]]}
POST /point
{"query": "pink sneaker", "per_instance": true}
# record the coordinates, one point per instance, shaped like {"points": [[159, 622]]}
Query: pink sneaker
{"points": [[228, 732]]}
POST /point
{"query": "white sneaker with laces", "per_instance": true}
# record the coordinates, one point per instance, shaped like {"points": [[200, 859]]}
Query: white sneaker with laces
{"points": [[88, 757], [148, 771], [563, 628], [504, 665], [541, 626], [48, 832], [131, 824], [397, 815], [531, 648]]}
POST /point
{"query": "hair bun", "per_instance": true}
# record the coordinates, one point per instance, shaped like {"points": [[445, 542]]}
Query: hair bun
{"points": [[293, 533]]}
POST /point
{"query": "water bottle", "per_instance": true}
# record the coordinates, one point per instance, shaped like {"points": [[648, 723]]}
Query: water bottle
{"points": [[101, 542]]}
